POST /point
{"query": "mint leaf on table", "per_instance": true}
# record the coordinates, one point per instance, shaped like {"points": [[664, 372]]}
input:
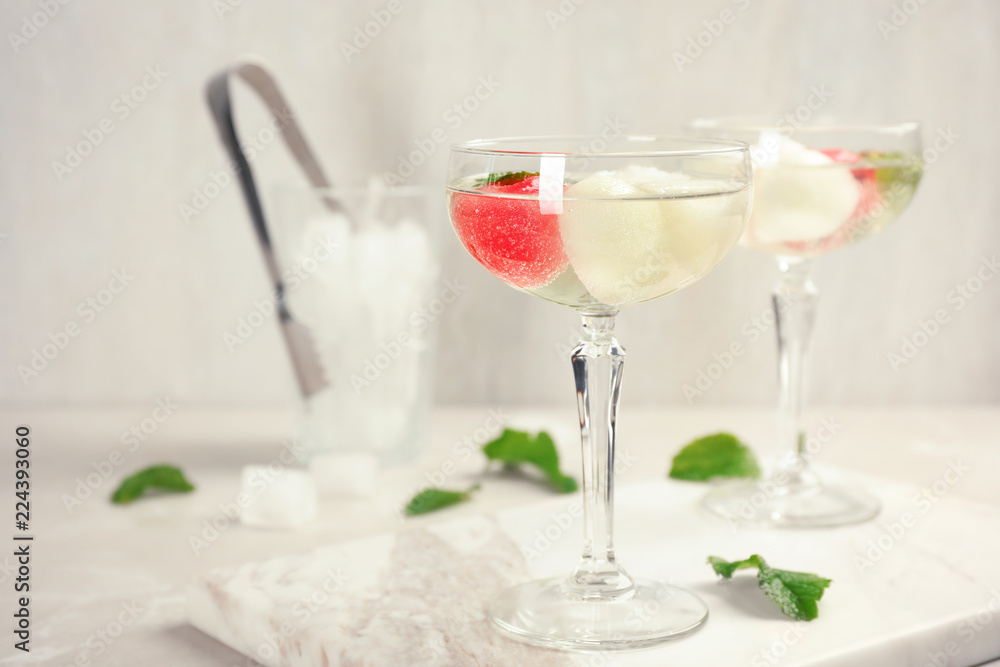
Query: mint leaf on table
{"points": [[718, 455], [505, 178], [726, 569], [431, 500], [160, 477], [796, 593], [513, 448]]}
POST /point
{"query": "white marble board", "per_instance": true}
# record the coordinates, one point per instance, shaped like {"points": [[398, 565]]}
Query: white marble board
{"points": [[928, 594]]}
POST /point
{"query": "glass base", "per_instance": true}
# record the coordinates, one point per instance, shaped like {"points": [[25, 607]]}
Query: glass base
{"points": [[549, 613], [760, 505]]}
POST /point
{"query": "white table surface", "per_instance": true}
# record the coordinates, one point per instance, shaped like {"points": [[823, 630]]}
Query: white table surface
{"points": [[88, 563]]}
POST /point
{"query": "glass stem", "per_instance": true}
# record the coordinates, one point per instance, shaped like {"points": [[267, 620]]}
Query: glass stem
{"points": [[598, 362], [794, 301]]}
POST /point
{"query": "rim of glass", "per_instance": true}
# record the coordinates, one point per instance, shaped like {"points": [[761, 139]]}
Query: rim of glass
{"points": [[708, 146], [761, 123]]}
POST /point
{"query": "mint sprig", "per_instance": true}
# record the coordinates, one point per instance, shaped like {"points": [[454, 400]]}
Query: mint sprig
{"points": [[796, 593], [431, 500], [725, 569], [514, 448], [504, 178], [160, 477], [718, 455]]}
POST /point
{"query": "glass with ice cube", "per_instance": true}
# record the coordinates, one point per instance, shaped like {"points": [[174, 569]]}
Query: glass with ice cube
{"points": [[816, 190], [365, 282]]}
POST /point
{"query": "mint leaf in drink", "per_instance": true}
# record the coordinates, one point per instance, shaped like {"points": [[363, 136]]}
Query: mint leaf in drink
{"points": [[161, 478], [894, 166], [505, 178], [718, 455], [796, 593], [432, 500], [514, 448]]}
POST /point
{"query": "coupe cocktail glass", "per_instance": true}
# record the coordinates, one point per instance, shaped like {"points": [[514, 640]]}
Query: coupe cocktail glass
{"points": [[816, 189], [597, 230]]}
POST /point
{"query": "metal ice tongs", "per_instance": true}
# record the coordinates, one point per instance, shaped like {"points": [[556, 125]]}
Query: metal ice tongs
{"points": [[307, 366]]}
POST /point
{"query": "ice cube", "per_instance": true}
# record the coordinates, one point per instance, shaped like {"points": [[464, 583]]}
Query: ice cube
{"points": [[327, 238], [283, 499], [372, 261], [321, 254], [358, 327], [345, 475], [414, 246]]}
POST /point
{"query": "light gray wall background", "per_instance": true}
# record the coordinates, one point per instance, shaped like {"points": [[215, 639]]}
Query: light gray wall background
{"points": [[562, 68]]}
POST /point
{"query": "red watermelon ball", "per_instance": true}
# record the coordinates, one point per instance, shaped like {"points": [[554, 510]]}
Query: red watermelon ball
{"points": [[510, 237]]}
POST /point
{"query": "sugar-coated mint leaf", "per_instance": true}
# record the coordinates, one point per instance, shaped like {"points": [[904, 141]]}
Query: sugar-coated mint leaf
{"points": [[795, 593], [160, 477], [718, 455], [505, 178], [431, 500], [517, 447]]}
